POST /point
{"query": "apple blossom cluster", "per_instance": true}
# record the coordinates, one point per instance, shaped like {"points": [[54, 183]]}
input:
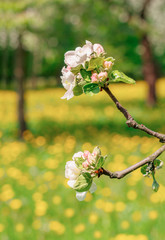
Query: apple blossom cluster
{"points": [[81, 171], [88, 71]]}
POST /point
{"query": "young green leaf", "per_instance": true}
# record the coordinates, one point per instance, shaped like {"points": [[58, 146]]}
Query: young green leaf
{"points": [[100, 162], [110, 59], [158, 163], [144, 170], [79, 161], [117, 76], [83, 182], [95, 63], [91, 88], [77, 90], [86, 75], [76, 69]]}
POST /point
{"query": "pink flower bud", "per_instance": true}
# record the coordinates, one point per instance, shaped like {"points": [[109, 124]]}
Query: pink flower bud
{"points": [[102, 76], [98, 49], [94, 77], [107, 65], [68, 68], [91, 159], [85, 164], [86, 154]]}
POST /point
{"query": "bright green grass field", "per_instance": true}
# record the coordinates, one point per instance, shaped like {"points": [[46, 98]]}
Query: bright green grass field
{"points": [[35, 201]]}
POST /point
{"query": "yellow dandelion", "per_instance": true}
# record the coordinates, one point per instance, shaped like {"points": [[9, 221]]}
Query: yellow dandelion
{"points": [[19, 227], [51, 163], [37, 196], [99, 203], [88, 197], [41, 208], [106, 192], [120, 206], [142, 237], [97, 234], [15, 204], [48, 176], [69, 212], [79, 228], [125, 225], [7, 193], [56, 200], [57, 227], [131, 195], [30, 161], [153, 215], [93, 218], [2, 227], [36, 224], [108, 207], [136, 216], [40, 141]]}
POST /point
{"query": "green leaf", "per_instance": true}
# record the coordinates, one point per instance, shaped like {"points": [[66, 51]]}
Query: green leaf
{"points": [[158, 163], [95, 63], [100, 162], [86, 75], [110, 59], [83, 182], [117, 76], [77, 90], [144, 169], [155, 186], [91, 88], [76, 69], [79, 161]]}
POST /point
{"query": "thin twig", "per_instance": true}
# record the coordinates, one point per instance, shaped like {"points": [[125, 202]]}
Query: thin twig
{"points": [[130, 121], [123, 173]]}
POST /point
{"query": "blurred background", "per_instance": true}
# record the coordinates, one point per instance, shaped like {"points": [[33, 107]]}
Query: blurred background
{"points": [[39, 132]]}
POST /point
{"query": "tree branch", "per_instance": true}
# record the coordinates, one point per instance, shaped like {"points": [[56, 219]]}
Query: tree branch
{"points": [[130, 121], [123, 173]]}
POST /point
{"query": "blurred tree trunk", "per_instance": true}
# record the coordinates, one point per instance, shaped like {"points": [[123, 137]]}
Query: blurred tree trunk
{"points": [[149, 71], [149, 66], [20, 76]]}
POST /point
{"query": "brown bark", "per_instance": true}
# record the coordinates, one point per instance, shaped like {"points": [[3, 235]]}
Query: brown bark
{"points": [[149, 70], [149, 66], [20, 76]]}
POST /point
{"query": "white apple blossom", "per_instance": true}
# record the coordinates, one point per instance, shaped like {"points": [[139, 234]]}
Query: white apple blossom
{"points": [[72, 173], [77, 155], [68, 81], [79, 56], [71, 170]]}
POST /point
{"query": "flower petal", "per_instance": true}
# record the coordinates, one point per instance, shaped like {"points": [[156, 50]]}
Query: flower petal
{"points": [[71, 58], [71, 170], [88, 48], [93, 188], [81, 195], [71, 183], [68, 95], [77, 155]]}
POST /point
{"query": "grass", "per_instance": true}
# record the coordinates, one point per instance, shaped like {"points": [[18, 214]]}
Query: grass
{"points": [[36, 202]]}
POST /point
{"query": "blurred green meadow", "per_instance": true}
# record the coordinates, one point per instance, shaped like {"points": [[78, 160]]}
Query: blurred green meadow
{"points": [[35, 201]]}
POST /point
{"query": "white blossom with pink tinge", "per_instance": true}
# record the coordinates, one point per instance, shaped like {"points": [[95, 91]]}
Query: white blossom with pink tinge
{"points": [[68, 81], [79, 56], [97, 48]]}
